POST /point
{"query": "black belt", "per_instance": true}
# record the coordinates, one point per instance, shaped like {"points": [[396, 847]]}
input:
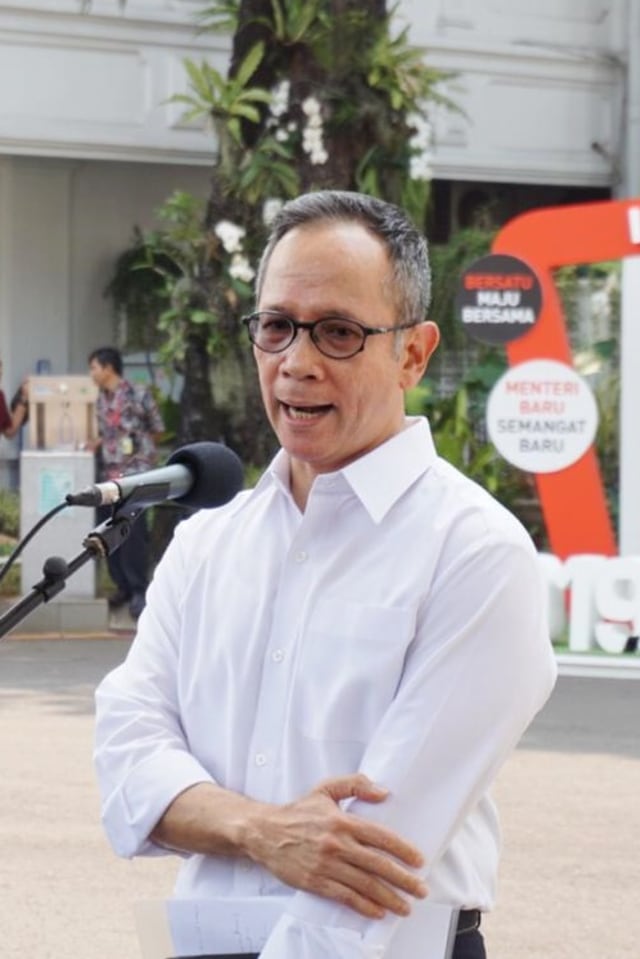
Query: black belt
{"points": [[468, 921]]}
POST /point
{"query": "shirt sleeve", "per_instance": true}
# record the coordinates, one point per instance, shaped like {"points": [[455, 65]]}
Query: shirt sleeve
{"points": [[141, 756], [480, 668], [153, 418]]}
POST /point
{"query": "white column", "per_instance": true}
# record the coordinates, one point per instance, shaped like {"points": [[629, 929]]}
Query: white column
{"points": [[9, 332], [6, 276], [629, 532]]}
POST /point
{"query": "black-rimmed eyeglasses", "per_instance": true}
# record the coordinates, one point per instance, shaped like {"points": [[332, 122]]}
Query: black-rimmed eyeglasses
{"points": [[335, 336]]}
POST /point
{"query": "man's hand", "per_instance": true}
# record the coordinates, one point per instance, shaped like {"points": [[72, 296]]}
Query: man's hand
{"points": [[313, 844]]}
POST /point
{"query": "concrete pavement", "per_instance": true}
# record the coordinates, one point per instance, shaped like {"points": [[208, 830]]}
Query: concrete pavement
{"points": [[569, 801]]}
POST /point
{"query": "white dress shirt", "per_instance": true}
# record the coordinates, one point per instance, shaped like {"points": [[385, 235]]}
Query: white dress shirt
{"points": [[396, 627]]}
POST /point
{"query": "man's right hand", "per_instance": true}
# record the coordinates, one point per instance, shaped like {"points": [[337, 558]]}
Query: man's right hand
{"points": [[314, 845]]}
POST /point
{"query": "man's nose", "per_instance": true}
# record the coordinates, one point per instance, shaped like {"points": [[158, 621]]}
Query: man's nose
{"points": [[302, 355]]}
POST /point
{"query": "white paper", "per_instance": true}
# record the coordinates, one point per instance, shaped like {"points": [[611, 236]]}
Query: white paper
{"points": [[430, 934], [194, 927]]}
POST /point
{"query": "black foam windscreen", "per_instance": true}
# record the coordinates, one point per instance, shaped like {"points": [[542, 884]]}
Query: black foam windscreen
{"points": [[217, 474]]}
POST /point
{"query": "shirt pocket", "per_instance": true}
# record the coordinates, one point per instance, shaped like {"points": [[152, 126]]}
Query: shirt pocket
{"points": [[349, 667]]}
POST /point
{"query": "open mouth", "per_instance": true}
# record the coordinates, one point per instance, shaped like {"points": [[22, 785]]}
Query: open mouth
{"points": [[305, 412]]}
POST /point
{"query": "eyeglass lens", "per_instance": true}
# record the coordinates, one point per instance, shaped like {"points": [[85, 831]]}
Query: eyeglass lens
{"points": [[334, 336]]}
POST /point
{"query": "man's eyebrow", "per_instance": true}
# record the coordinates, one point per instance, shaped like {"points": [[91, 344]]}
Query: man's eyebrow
{"points": [[273, 309], [325, 314]]}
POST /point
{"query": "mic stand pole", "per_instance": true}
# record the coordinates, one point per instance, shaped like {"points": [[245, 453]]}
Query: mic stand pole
{"points": [[101, 542]]}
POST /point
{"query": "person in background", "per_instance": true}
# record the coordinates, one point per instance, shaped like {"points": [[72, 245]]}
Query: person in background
{"points": [[15, 416], [332, 668], [129, 426]]}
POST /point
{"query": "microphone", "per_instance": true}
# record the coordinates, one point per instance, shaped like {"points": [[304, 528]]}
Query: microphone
{"points": [[201, 475]]}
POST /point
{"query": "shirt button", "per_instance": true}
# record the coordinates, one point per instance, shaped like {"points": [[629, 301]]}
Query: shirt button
{"points": [[277, 655], [301, 556], [260, 759]]}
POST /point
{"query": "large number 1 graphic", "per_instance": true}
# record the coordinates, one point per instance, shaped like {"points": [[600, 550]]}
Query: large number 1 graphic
{"points": [[573, 501]]}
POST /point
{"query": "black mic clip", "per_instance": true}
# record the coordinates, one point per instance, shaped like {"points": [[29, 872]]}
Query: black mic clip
{"points": [[109, 535]]}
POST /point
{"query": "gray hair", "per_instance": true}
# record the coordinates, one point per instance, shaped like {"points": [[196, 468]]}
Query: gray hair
{"points": [[405, 245]]}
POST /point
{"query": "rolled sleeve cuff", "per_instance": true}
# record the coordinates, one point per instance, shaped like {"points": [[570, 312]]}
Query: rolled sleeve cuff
{"points": [[133, 811]]}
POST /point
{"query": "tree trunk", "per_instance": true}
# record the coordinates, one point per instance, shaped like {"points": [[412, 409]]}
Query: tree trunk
{"points": [[197, 416]]}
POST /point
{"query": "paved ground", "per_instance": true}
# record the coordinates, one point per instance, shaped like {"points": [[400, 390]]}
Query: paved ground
{"points": [[569, 797]]}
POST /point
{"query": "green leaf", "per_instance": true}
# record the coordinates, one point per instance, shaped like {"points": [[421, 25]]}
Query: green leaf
{"points": [[221, 16], [246, 111], [250, 64], [234, 128], [194, 114], [202, 317], [168, 316], [244, 290], [278, 19], [183, 98], [205, 80], [255, 95], [605, 349]]}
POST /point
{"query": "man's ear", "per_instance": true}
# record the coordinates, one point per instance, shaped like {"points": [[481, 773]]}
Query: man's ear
{"points": [[420, 343]]}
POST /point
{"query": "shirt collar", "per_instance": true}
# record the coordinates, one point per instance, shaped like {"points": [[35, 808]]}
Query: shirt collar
{"points": [[380, 477], [277, 472]]}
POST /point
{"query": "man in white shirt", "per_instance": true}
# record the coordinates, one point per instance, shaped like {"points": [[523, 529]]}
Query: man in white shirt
{"points": [[331, 669]]}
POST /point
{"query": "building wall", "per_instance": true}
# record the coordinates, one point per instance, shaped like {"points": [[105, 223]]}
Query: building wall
{"points": [[97, 85], [540, 86]]}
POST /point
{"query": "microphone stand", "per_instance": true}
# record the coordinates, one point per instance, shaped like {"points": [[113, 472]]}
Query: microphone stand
{"points": [[100, 542]]}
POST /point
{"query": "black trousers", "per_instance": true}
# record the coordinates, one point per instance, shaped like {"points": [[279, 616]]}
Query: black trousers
{"points": [[468, 945], [129, 564]]}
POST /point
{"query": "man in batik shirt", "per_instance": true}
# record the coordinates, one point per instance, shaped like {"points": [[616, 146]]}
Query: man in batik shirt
{"points": [[129, 424]]}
